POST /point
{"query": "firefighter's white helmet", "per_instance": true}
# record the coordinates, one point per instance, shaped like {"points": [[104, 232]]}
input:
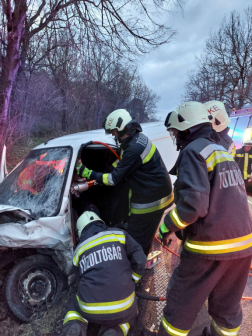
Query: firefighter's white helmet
{"points": [[220, 119], [187, 115], [247, 138], [86, 218], [117, 119]]}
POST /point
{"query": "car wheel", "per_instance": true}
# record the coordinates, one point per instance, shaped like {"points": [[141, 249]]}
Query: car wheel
{"points": [[32, 286]]}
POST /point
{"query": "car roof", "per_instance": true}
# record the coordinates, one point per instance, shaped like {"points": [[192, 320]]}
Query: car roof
{"points": [[75, 140]]}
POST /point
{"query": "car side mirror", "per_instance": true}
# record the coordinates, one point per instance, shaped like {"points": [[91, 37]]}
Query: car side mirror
{"points": [[3, 167]]}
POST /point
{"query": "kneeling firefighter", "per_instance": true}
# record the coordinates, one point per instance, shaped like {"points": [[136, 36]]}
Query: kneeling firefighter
{"points": [[142, 166], [220, 122], [108, 262], [216, 223]]}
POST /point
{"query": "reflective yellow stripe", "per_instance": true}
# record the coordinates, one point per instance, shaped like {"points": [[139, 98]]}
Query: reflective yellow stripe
{"points": [[239, 155], [250, 156], [217, 157], [130, 194], [150, 154], [102, 240], [233, 152], [105, 179], [114, 164], [125, 328], [73, 315], [172, 330], [106, 307], [136, 276], [160, 206], [245, 168], [225, 331], [30, 182], [176, 220], [220, 247]]}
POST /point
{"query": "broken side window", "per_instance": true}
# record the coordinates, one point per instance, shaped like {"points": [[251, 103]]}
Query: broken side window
{"points": [[37, 183]]}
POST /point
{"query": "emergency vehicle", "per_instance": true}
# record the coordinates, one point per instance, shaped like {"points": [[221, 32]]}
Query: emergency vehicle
{"points": [[240, 121]]}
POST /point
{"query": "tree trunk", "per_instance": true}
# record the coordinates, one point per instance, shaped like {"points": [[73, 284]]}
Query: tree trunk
{"points": [[11, 61], [64, 111]]}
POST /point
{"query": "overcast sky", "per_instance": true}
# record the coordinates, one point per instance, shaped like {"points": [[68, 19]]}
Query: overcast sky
{"points": [[165, 70]]}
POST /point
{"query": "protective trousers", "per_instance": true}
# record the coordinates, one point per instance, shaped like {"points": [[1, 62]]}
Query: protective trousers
{"points": [[195, 280], [142, 227], [74, 316]]}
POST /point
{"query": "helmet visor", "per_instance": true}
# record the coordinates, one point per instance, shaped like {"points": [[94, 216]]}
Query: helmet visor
{"points": [[173, 134]]}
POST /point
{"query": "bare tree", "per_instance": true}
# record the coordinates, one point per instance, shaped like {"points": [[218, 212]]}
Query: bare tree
{"points": [[70, 91], [123, 26], [224, 71]]}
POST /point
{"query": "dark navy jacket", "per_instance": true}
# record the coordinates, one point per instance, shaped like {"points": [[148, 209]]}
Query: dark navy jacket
{"points": [[211, 201], [109, 263], [143, 167]]}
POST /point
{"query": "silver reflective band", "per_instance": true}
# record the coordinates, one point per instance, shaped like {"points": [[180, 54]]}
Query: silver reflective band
{"points": [[70, 316], [98, 235], [223, 331], [125, 328], [218, 247], [107, 307], [208, 150], [110, 180], [150, 205], [146, 150], [172, 330], [136, 276]]}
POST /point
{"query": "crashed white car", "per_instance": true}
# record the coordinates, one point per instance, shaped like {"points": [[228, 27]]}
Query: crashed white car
{"points": [[40, 201]]}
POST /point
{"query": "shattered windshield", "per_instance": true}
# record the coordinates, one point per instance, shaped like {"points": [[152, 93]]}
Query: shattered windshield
{"points": [[36, 184]]}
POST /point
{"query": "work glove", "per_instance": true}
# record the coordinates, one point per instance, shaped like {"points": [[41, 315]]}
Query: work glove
{"points": [[83, 171], [164, 234]]}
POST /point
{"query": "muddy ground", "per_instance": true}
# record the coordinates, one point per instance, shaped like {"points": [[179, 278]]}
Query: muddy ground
{"points": [[154, 282]]}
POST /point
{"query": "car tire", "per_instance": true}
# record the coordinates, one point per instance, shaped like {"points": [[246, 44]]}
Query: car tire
{"points": [[32, 286]]}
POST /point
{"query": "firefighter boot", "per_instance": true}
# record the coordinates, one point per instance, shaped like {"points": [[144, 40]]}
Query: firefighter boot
{"points": [[206, 332], [109, 331], [147, 332], [74, 329]]}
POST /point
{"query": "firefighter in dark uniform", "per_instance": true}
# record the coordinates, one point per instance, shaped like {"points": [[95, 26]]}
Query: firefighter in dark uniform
{"points": [[213, 213], [148, 179], [109, 263], [244, 158], [220, 122]]}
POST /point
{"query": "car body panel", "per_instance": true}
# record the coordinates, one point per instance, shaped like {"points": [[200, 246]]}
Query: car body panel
{"points": [[47, 232], [55, 232]]}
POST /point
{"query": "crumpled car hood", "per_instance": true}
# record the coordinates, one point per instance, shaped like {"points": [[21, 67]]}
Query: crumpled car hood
{"points": [[46, 232], [21, 212]]}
